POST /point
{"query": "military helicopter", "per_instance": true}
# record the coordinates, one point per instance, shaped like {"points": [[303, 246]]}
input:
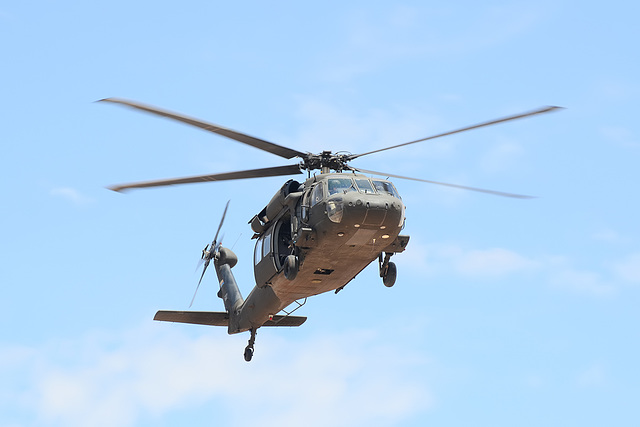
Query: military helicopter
{"points": [[312, 237]]}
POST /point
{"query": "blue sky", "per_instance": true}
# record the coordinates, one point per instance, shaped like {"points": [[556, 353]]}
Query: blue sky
{"points": [[506, 312]]}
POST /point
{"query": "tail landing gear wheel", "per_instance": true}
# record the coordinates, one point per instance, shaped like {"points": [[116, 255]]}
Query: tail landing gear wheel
{"points": [[248, 351], [248, 354], [291, 267], [389, 279]]}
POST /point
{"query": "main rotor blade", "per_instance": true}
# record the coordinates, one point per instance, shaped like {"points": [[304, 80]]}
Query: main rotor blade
{"points": [[261, 144], [480, 190], [252, 173], [479, 125]]}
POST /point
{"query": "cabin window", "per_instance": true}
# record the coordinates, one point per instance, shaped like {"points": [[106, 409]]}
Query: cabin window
{"points": [[316, 196], [364, 185], [266, 245], [385, 187], [263, 248], [340, 185]]}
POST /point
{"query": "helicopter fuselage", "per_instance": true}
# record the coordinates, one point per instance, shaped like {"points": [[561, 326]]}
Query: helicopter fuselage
{"points": [[334, 226]]}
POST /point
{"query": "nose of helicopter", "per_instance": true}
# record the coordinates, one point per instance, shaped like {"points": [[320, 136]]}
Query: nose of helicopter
{"points": [[367, 210]]}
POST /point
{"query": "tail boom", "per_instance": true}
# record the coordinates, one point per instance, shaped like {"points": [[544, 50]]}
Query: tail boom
{"points": [[241, 315]]}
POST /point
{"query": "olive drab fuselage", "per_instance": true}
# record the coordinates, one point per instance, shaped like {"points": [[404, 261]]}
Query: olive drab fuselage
{"points": [[334, 225]]}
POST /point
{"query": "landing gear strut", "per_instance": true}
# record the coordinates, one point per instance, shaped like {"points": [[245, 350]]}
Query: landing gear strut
{"points": [[248, 351], [388, 270]]}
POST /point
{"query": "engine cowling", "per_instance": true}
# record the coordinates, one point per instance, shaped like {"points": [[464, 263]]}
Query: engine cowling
{"points": [[278, 202]]}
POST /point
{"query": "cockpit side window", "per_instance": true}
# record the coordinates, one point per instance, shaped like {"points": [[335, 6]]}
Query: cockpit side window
{"points": [[317, 194], [364, 185], [385, 187], [340, 185], [257, 253]]}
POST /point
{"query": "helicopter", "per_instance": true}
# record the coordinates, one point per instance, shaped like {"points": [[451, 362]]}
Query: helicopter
{"points": [[312, 237]]}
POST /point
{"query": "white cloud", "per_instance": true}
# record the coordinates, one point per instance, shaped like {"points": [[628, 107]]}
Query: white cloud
{"points": [[70, 194], [593, 376], [492, 263], [582, 281], [103, 380], [379, 40], [606, 279], [535, 381], [499, 263], [616, 90], [479, 263], [610, 236], [503, 156], [326, 126], [628, 269], [619, 135]]}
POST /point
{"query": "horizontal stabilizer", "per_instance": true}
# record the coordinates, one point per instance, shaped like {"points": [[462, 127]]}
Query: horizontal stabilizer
{"points": [[286, 321], [213, 318]]}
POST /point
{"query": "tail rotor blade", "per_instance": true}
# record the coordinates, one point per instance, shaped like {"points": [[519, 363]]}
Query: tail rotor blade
{"points": [[224, 214], [209, 252], [204, 270], [219, 244], [197, 287]]}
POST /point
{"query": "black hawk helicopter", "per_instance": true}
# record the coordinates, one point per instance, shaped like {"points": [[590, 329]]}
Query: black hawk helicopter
{"points": [[312, 237]]}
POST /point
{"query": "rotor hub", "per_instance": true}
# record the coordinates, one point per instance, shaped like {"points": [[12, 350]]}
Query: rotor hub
{"points": [[326, 161]]}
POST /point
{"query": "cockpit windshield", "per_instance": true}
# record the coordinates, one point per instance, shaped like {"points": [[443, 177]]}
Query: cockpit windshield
{"points": [[360, 184], [364, 185], [340, 185], [385, 187]]}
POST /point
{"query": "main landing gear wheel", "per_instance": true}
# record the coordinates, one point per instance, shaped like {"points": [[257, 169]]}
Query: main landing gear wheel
{"points": [[388, 269], [291, 267], [248, 351], [389, 279]]}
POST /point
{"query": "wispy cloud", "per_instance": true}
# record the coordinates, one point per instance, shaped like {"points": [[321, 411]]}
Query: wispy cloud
{"points": [[620, 135], [610, 236], [582, 281], [503, 156], [617, 90], [604, 280], [493, 262], [489, 263], [592, 376], [325, 125], [628, 269], [71, 195], [117, 379], [404, 33]]}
